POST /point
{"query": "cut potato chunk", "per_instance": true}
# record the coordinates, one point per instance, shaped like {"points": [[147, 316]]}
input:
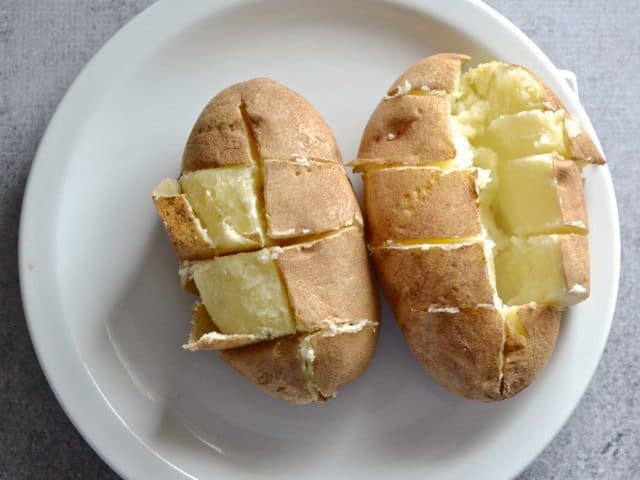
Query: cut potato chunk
{"points": [[410, 130], [204, 334], [189, 239], [549, 269], [327, 280], [421, 276], [526, 133], [244, 294], [494, 89], [290, 187], [540, 194], [226, 202], [427, 203]]}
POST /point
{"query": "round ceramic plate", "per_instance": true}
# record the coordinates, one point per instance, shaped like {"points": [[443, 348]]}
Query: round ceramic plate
{"points": [[98, 274]]}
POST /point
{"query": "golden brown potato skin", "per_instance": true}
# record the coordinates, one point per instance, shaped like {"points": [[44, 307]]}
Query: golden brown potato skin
{"points": [[443, 296], [418, 277], [274, 366], [471, 353], [313, 221], [281, 122], [426, 204]]}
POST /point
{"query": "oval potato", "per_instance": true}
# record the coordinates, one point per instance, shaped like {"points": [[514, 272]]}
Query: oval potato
{"points": [[269, 233], [476, 219]]}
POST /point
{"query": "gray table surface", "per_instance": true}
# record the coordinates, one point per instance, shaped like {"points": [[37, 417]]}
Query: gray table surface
{"points": [[44, 44]]}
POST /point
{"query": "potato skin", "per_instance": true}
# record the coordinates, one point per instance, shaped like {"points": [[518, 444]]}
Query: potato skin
{"points": [[473, 352], [427, 203], [526, 355], [282, 123], [419, 277], [275, 366]]}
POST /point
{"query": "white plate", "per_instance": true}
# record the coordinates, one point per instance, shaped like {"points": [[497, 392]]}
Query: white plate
{"points": [[99, 279]]}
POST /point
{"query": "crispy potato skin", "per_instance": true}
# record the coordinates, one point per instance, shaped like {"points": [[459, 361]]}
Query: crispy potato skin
{"points": [[288, 186], [183, 228], [575, 255], [473, 352], [313, 221], [440, 72], [462, 351], [342, 358], [274, 366]]}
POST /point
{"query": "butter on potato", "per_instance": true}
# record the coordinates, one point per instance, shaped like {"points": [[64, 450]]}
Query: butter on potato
{"points": [[478, 251]]}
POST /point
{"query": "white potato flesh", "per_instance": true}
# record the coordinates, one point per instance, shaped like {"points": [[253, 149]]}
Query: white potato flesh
{"points": [[528, 201], [533, 270], [227, 203], [244, 294], [526, 133]]}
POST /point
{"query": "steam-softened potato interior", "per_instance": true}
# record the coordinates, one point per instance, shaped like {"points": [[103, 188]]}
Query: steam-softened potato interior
{"points": [[530, 270], [525, 133], [227, 203], [244, 294], [528, 199], [269, 234], [504, 113]]}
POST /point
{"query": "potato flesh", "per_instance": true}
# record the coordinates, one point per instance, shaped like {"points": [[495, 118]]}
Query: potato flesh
{"points": [[527, 200], [526, 133], [494, 89], [530, 270], [244, 294], [501, 109], [227, 203]]}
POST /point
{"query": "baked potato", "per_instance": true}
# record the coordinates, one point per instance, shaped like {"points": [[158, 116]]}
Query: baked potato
{"points": [[476, 219], [269, 234]]}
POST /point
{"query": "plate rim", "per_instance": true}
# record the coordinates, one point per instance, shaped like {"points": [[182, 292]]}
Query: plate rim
{"points": [[97, 436]]}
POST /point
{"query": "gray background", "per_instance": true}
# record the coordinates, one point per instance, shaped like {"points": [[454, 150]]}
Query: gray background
{"points": [[44, 44]]}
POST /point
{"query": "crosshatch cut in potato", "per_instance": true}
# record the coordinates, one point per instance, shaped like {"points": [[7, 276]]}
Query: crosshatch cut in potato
{"points": [[269, 234], [476, 219]]}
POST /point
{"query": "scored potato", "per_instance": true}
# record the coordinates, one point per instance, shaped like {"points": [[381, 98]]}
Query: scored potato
{"points": [[478, 247], [269, 234]]}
